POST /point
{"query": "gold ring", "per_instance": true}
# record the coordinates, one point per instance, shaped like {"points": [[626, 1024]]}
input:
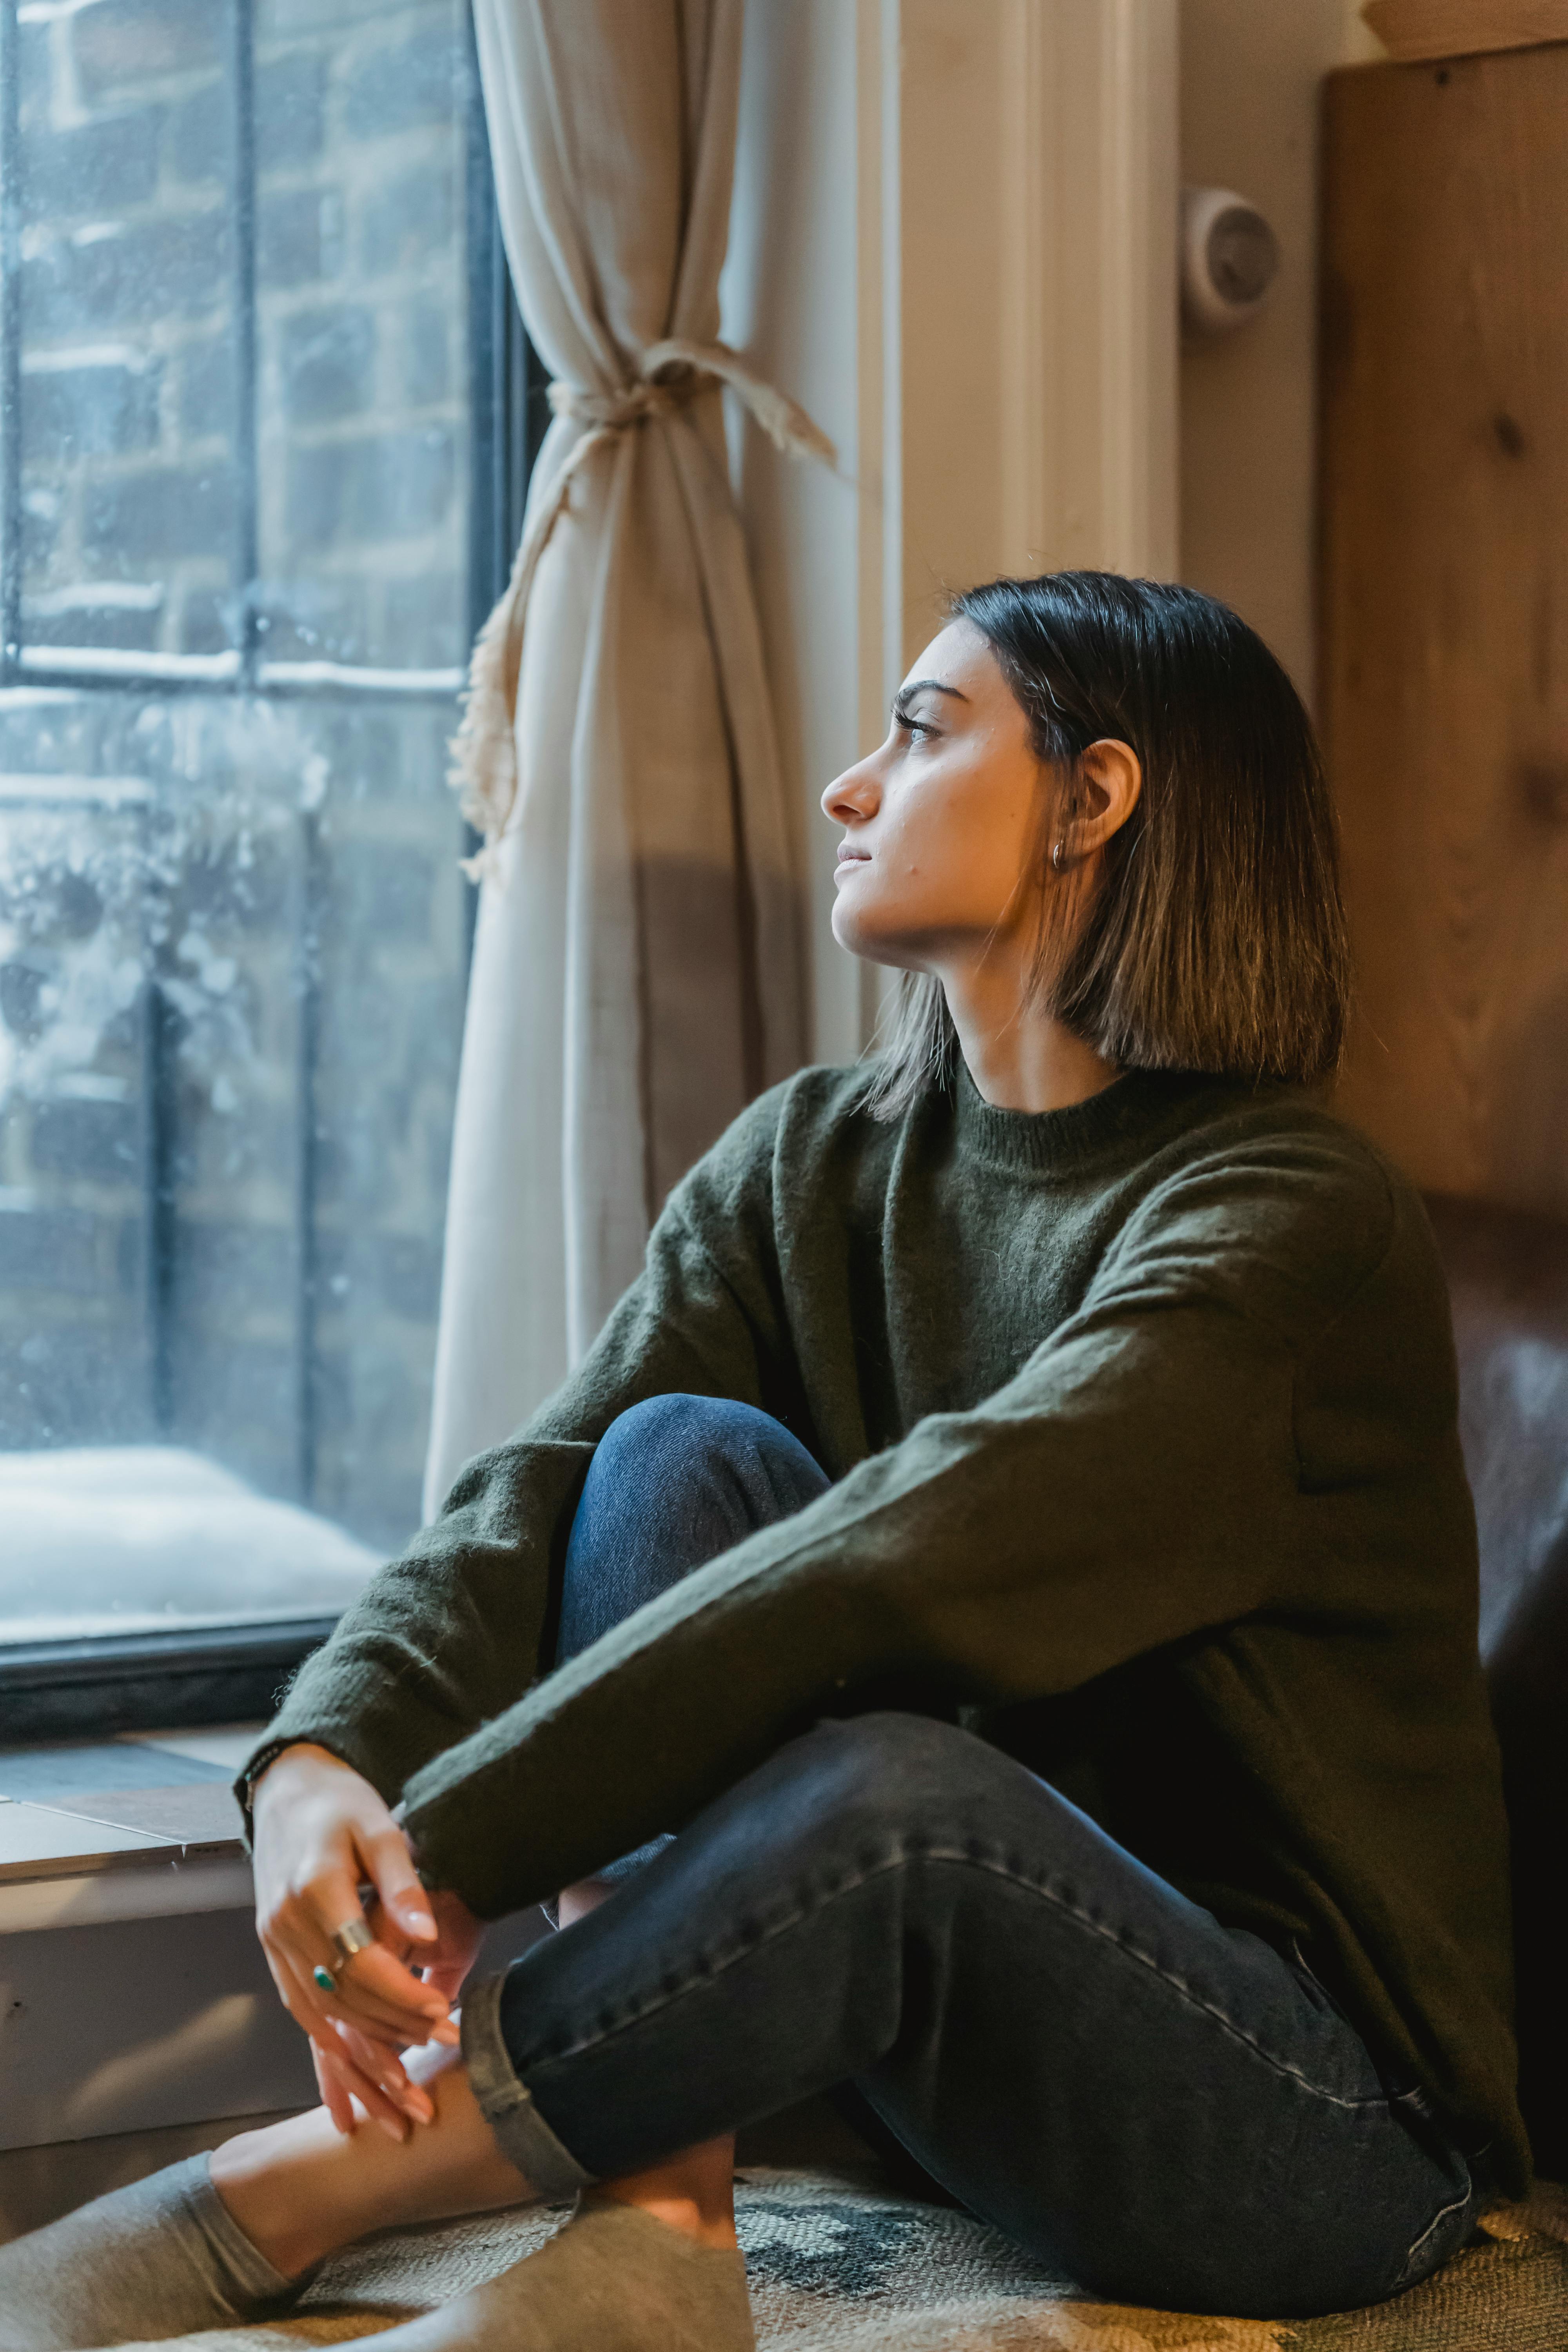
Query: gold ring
{"points": [[353, 1937]]}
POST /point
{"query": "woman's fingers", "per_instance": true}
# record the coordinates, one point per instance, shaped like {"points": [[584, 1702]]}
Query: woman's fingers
{"points": [[393, 2103], [375, 1979], [326, 2051], [374, 2077], [391, 1867], [359, 1999], [391, 2074], [332, 1902], [374, 2102], [335, 2095], [322, 1833], [390, 2028], [368, 2062], [446, 1978], [373, 1987]]}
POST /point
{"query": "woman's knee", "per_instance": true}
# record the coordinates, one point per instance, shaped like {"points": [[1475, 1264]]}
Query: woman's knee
{"points": [[678, 1440], [664, 1431], [914, 1777], [674, 1481]]}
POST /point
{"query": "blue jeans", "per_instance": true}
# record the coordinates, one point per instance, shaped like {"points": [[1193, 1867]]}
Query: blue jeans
{"points": [[1167, 2108]]}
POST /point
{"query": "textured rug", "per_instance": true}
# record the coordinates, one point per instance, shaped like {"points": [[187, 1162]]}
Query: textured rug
{"points": [[837, 2265]]}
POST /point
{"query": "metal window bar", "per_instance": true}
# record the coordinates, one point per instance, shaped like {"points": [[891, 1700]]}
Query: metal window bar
{"points": [[242, 209], [208, 1674], [10, 341]]}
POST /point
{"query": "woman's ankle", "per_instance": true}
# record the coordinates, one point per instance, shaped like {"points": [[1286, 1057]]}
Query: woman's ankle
{"points": [[271, 2182], [693, 2193]]}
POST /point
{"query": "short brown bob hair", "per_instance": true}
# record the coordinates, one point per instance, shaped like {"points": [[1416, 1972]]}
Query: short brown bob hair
{"points": [[1211, 935]]}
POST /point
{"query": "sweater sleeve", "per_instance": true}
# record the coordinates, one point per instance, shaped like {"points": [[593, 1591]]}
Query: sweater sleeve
{"points": [[444, 1638], [1132, 1486]]}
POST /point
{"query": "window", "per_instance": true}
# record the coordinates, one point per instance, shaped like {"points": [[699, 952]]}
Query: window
{"points": [[263, 436]]}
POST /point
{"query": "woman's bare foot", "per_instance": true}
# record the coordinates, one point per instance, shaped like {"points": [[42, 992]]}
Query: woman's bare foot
{"points": [[300, 2190]]}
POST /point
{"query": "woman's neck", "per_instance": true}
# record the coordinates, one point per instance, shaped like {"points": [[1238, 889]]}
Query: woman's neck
{"points": [[1020, 1056]]}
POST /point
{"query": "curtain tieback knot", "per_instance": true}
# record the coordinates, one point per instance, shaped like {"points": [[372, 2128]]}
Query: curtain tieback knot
{"points": [[673, 373]]}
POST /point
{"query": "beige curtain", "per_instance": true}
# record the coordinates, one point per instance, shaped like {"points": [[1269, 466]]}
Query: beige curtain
{"points": [[637, 969]]}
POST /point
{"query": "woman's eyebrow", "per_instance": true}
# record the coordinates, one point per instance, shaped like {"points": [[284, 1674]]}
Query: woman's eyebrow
{"points": [[926, 684]]}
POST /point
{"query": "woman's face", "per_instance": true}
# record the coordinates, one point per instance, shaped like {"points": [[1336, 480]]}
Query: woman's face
{"points": [[941, 823]]}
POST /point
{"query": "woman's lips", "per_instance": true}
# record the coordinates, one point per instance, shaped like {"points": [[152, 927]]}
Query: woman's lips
{"points": [[847, 856]]}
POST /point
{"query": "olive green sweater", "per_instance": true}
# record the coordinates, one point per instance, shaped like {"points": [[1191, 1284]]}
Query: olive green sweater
{"points": [[1141, 1421]]}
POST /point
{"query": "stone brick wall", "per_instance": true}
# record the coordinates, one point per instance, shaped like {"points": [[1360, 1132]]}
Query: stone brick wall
{"points": [[132, 487], [232, 929]]}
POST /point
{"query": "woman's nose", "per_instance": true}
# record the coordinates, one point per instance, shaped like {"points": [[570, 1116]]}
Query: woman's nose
{"points": [[853, 796]]}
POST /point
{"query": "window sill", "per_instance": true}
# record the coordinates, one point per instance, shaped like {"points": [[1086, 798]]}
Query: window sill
{"points": [[122, 1828], [138, 1854]]}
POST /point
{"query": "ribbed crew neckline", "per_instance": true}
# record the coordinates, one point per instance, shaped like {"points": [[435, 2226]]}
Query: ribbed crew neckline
{"points": [[1118, 1122]]}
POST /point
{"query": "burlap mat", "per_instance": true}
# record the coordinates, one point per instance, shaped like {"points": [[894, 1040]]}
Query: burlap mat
{"points": [[837, 2266]]}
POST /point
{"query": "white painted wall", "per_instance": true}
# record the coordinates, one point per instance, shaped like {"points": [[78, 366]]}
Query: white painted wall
{"points": [[1038, 226], [1250, 72], [953, 238]]}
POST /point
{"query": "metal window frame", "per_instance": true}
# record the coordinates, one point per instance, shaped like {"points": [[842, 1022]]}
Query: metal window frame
{"points": [[208, 1674]]}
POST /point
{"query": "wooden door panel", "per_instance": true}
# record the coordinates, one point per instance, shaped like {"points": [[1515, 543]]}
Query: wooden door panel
{"points": [[1444, 587]]}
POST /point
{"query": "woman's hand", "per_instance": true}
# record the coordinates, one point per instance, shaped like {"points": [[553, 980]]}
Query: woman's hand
{"points": [[342, 2072], [319, 1832]]}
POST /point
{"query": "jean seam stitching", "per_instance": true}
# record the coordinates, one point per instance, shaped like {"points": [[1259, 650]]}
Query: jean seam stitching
{"points": [[998, 1870], [1437, 2222]]}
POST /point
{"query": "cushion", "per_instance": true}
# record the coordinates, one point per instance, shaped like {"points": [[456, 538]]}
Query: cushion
{"points": [[842, 2264]]}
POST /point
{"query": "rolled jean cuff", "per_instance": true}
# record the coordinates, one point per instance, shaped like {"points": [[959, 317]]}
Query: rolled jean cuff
{"points": [[507, 2104]]}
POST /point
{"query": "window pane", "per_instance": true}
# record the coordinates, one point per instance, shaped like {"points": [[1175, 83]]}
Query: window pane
{"points": [[233, 927], [363, 423], [129, 491], [231, 971]]}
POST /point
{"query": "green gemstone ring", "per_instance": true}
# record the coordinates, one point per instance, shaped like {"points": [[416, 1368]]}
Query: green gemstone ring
{"points": [[325, 1978]]}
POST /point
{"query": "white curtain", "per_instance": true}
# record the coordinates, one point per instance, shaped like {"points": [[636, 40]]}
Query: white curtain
{"points": [[638, 960]]}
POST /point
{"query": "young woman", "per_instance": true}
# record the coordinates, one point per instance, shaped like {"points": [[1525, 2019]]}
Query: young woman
{"points": [[1013, 1536]]}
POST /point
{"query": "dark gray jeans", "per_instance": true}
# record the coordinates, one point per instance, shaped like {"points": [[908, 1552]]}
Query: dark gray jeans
{"points": [[1167, 2107]]}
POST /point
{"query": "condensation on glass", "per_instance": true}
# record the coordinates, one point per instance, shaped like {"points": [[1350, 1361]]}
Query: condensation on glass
{"points": [[234, 529]]}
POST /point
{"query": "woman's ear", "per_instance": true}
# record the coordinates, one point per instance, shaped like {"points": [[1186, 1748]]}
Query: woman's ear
{"points": [[1112, 777]]}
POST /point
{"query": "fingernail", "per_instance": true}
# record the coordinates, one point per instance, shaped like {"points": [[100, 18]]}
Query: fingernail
{"points": [[392, 2128], [449, 2034], [420, 1921]]}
